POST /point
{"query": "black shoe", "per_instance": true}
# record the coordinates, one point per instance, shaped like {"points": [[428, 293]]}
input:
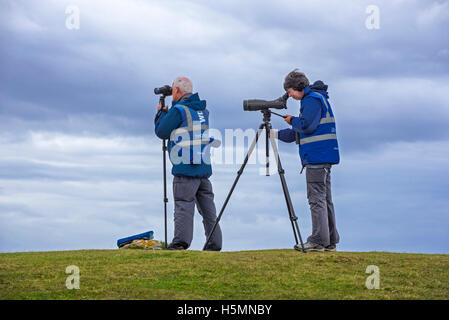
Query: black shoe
{"points": [[331, 247], [175, 246], [310, 246], [212, 248]]}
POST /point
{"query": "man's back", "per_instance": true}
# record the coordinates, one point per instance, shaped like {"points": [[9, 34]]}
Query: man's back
{"points": [[173, 120]]}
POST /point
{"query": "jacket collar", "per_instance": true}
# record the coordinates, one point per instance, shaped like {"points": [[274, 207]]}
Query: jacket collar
{"points": [[185, 97], [307, 90]]}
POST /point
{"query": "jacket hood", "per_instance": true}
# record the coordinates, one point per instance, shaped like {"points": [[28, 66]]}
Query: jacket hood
{"points": [[192, 101], [318, 86]]}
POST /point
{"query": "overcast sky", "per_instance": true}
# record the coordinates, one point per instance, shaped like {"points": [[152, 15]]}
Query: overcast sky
{"points": [[80, 165]]}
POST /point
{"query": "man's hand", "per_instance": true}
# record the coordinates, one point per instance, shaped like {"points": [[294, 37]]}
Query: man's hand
{"points": [[159, 106], [288, 119]]}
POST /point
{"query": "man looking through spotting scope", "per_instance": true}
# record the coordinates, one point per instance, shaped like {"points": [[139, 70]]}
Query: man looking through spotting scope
{"points": [[314, 132], [184, 124]]}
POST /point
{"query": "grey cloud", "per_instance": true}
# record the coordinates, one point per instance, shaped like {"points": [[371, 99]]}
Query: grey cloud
{"points": [[99, 80], [88, 205]]}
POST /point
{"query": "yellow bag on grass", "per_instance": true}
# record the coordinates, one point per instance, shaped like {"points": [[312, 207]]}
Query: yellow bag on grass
{"points": [[143, 244]]}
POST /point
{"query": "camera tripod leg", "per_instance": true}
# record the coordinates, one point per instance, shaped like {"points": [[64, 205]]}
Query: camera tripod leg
{"points": [[267, 152], [164, 161], [291, 211], [164, 150], [239, 173]]}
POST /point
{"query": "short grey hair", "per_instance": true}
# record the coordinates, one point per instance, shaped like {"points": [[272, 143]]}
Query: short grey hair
{"points": [[184, 84]]}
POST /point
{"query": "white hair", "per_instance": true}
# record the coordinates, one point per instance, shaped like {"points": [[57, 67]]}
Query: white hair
{"points": [[184, 84]]}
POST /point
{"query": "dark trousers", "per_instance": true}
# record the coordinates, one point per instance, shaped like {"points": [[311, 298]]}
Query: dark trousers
{"points": [[189, 192], [324, 229]]}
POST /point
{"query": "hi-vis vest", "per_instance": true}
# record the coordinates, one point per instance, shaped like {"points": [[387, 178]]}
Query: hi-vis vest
{"points": [[188, 143], [321, 146]]}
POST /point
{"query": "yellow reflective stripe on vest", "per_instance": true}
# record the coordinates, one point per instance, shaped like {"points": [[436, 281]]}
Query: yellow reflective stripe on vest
{"points": [[327, 120], [189, 117], [198, 127], [320, 137], [185, 144]]}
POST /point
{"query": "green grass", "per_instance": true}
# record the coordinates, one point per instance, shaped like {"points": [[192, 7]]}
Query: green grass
{"points": [[264, 274]]}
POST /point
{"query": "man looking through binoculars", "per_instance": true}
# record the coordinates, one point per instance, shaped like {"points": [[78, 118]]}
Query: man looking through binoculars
{"points": [[184, 124]]}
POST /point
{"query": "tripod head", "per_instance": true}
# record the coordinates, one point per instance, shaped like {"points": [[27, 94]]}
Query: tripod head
{"points": [[164, 94], [164, 91], [266, 116]]}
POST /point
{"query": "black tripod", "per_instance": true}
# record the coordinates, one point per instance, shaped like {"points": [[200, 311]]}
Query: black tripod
{"points": [[164, 149], [293, 218]]}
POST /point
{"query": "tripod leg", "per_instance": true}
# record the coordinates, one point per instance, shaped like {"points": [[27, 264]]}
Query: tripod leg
{"points": [[267, 152], [293, 217], [239, 173], [164, 149]]}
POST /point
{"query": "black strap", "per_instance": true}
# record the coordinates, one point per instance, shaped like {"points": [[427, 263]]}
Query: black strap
{"points": [[297, 138]]}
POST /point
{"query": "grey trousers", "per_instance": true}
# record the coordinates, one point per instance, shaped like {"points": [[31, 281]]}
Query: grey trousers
{"points": [[324, 229], [189, 192]]}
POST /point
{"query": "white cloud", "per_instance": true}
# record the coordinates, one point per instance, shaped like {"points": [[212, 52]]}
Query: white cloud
{"points": [[380, 98], [437, 12], [112, 187]]}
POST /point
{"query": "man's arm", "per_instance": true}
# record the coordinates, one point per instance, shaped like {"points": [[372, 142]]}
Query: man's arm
{"points": [[286, 135], [167, 122]]}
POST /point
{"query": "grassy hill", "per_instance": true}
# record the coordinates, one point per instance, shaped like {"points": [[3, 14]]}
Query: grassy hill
{"points": [[264, 274]]}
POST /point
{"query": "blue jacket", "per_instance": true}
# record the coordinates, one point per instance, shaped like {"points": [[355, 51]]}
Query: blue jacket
{"points": [[314, 130], [171, 120]]}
